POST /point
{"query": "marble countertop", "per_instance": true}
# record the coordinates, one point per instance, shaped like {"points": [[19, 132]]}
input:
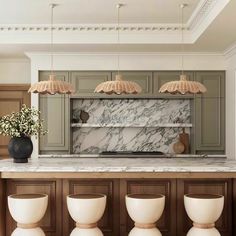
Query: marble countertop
{"points": [[130, 156], [80, 165]]}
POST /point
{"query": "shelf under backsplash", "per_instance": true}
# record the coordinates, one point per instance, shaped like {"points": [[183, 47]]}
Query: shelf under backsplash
{"points": [[174, 125]]}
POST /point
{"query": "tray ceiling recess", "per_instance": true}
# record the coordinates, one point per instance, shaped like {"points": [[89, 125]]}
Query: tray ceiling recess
{"points": [[94, 22]]}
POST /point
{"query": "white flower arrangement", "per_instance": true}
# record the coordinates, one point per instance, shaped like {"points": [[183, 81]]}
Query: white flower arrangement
{"points": [[26, 122]]}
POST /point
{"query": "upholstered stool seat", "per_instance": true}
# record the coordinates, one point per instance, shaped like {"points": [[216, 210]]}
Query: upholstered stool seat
{"points": [[27, 210], [86, 210], [204, 210], [145, 210]]}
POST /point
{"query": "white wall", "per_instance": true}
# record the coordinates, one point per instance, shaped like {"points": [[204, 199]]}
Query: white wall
{"points": [[14, 71], [231, 106]]}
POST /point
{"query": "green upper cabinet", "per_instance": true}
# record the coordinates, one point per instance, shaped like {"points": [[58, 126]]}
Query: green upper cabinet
{"points": [[144, 79], [214, 82], [86, 82], [163, 77], [55, 112], [210, 113]]}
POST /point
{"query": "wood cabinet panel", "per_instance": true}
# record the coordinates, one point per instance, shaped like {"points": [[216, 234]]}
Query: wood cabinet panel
{"points": [[163, 77], [144, 79], [203, 186], [12, 97], [51, 223], [3, 204], [86, 82], [109, 223], [55, 113], [234, 207], [167, 223]]}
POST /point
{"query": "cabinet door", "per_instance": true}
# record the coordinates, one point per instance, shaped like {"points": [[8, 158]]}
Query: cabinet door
{"points": [[163, 77], [205, 186], [55, 113], [51, 222], [214, 81], [234, 206], [85, 82], [144, 79], [3, 204], [12, 97], [167, 223], [109, 224], [210, 113]]}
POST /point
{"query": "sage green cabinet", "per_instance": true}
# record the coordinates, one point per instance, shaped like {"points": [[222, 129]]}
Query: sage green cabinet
{"points": [[144, 79], [163, 77], [55, 112], [85, 82], [214, 81], [210, 113]]}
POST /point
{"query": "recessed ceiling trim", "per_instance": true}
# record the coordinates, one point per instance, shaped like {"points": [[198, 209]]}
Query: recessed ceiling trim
{"points": [[202, 17], [94, 27]]}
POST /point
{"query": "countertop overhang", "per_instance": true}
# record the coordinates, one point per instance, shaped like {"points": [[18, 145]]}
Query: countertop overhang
{"points": [[119, 168]]}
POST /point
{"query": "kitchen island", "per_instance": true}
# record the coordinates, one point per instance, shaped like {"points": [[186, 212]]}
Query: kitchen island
{"points": [[116, 177]]}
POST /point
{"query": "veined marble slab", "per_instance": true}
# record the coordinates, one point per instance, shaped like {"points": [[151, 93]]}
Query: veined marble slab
{"points": [[146, 112], [129, 124], [127, 165], [96, 140]]}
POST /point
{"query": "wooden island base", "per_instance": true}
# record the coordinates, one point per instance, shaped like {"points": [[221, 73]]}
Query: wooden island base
{"points": [[116, 222]]}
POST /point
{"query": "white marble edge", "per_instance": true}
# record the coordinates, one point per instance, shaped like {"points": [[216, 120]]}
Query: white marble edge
{"points": [[130, 156], [86, 125], [126, 165]]}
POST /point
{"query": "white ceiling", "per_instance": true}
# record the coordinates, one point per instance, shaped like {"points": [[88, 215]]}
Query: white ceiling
{"points": [[219, 34], [93, 11]]}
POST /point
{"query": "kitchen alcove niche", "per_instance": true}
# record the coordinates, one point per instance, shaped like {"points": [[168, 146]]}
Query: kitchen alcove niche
{"points": [[129, 124]]}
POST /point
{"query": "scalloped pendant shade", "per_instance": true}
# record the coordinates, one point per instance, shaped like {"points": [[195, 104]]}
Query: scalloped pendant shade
{"points": [[52, 87], [118, 86], [183, 86]]}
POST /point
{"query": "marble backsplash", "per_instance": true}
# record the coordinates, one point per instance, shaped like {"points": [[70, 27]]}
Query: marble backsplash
{"points": [[147, 113]]}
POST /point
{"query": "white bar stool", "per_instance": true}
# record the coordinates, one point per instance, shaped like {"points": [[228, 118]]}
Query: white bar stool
{"points": [[86, 210], [145, 210], [27, 210], [204, 210]]}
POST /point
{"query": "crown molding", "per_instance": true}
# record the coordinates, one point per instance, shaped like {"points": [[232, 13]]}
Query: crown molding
{"points": [[202, 9], [93, 27], [203, 15], [230, 51]]}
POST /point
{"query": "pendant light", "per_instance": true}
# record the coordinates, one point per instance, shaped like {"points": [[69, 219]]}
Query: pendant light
{"points": [[52, 85], [118, 86], [183, 86]]}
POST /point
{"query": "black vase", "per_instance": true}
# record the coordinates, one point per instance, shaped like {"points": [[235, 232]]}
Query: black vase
{"points": [[20, 149]]}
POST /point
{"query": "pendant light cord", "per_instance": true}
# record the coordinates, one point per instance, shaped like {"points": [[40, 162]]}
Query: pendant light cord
{"points": [[51, 46], [118, 36], [182, 6]]}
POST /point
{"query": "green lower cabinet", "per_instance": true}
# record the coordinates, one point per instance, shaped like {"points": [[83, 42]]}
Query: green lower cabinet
{"points": [[144, 79], [163, 77], [55, 112], [85, 82]]}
